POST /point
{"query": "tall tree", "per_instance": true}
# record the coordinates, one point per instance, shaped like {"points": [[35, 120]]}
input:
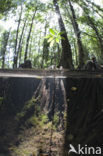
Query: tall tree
{"points": [[78, 35], [45, 46], [4, 47], [66, 57], [21, 37], [91, 22], [5, 5], [16, 41], [28, 37]]}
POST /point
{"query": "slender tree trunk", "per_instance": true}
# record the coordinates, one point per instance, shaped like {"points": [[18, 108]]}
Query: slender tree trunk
{"points": [[96, 8], [39, 44], [16, 41], [59, 54], [21, 46], [76, 54], [20, 53], [66, 57], [30, 48], [5, 43], [92, 25], [43, 54], [21, 37], [78, 35], [28, 37], [100, 40]]}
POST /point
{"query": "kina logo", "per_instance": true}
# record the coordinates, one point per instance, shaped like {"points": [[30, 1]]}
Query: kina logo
{"points": [[85, 150]]}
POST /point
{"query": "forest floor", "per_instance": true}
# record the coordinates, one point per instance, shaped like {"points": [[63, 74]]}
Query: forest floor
{"points": [[41, 140], [25, 134], [24, 129]]}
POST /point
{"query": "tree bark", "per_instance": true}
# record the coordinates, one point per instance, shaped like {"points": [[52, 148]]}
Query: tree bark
{"points": [[16, 41], [21, 47], [78, 35], [21, 37], [45, 46], [92, 25], [5, 43], [28, 37], [66, 57], [100, 40]]}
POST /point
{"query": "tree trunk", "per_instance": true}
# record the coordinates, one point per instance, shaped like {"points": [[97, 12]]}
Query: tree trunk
{"points": [[21, 37], [66, 58], [78, 35], [16, 41], [97, 34], [76, 54], [28, 37], [21, 47], [30, 48], [96, 8], [92, 25], [59, 54], [5, 43], [45, 47]]}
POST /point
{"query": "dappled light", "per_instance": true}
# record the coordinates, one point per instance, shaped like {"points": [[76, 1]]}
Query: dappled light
{"points": [[51, 77]]}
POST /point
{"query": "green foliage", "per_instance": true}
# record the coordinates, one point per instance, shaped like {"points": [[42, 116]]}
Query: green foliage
{"points": [[33, 120], [54, 37], [46, 22], [5, 5], [56, 120], [44, 118], [28, 105], [2, 29]]}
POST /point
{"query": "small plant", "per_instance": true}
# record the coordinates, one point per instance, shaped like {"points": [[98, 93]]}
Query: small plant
{"points": [[28, 105], [54, 36], [56, 120], [32, 121], [44, 118]]}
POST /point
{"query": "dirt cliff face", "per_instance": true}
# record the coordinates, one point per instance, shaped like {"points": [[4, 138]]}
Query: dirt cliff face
{"points": [[44, 116]]}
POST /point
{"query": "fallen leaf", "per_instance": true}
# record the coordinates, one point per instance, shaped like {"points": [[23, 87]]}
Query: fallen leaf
{"points": [[73, 88]]}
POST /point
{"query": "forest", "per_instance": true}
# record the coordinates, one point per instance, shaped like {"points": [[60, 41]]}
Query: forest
{"points": [[50, 32], [46, 112]]}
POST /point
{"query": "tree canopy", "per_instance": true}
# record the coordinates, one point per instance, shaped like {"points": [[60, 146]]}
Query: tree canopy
{"points": [[60, 32]]}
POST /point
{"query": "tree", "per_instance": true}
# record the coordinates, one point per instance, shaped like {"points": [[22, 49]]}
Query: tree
{"points": [[66, 57], [28, 37], [45, 46], [92, 23], [5, 5], [16, 40], [78, 35], [20, 41], [4, 47]]}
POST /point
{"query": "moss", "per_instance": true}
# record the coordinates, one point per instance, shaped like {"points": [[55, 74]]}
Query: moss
{"points": [[28, 105], [32, 121], [56, 120], [44, 118]]}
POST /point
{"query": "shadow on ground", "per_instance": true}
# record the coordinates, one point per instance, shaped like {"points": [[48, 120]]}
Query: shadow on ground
{"points": [[45, 116]]}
